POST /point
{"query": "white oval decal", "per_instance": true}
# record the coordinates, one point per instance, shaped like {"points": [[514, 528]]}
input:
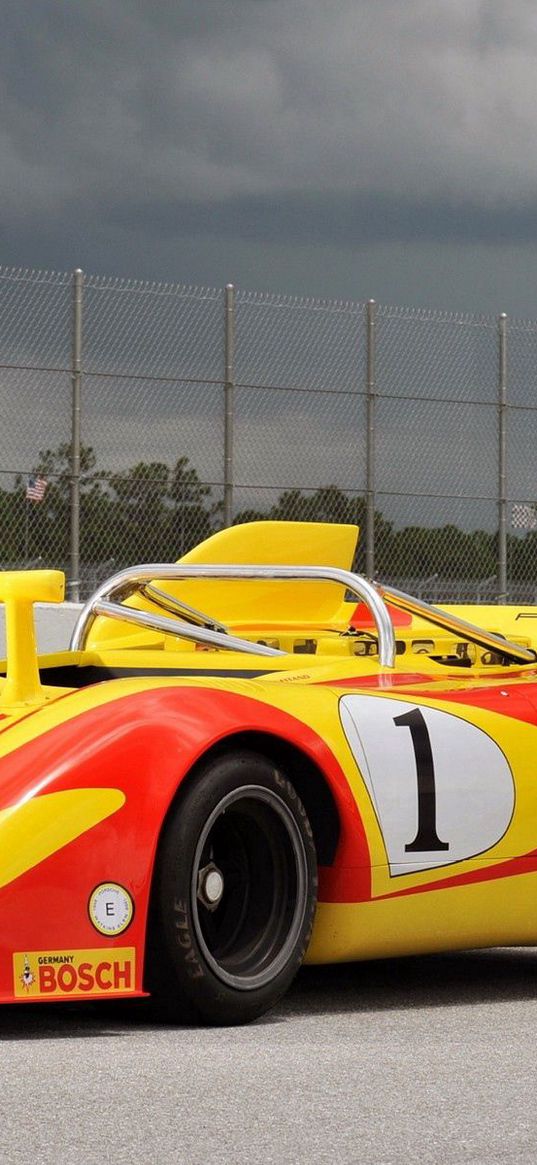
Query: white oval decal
{"points": [[441, 788]]}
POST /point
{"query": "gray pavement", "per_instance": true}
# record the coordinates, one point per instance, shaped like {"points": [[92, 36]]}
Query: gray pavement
{"points": [[430, 1061]]}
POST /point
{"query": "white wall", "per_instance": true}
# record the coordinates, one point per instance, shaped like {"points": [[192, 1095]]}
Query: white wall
{"points": [[54, 624]]}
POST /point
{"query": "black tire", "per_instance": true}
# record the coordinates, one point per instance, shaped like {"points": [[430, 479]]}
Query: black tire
{"points": [[236, 890]]}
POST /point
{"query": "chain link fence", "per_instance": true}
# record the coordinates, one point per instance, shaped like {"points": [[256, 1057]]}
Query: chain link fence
{"points": [[140, 417]]}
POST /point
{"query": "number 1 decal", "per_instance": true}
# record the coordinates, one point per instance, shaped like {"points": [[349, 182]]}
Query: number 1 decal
{"points": [[442, 792], [426, 839]]}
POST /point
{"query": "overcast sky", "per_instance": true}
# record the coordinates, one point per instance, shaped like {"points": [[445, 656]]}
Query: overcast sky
{"points": [[341, 148]]}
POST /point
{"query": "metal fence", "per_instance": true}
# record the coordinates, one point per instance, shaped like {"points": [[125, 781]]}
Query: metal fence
{"points": [[139, 417]]}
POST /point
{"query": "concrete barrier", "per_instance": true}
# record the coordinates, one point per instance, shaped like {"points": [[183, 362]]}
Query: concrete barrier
{"points": [[53, 624]]}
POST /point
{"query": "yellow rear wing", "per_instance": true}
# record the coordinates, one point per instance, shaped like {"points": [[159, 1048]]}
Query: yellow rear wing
{"points": [[263, 605]]}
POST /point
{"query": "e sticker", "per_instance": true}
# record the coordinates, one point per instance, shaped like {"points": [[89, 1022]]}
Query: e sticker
{"points": [[110, 908]]}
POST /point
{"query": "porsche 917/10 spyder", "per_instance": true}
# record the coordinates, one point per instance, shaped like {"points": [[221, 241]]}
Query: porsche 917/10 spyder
{"points": [[255, 757]]}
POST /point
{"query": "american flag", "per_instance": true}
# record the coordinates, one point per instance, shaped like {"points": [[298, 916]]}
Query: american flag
{"points": [[524, 517], [35, 488]]}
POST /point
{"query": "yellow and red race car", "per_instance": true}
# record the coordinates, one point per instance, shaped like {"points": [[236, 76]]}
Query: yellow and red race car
{"points": [[254, 757]]}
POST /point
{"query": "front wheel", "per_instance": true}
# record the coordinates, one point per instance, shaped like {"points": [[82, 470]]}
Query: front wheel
{"points": [[237, 883]]}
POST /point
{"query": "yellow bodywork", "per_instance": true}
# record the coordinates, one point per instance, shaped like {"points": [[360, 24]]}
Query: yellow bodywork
{"points": [[43, 825], [19, 590], [427, 910]]}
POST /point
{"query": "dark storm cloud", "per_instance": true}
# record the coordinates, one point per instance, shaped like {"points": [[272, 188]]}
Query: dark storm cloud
{"points": [[343, 219], [346, 123]]}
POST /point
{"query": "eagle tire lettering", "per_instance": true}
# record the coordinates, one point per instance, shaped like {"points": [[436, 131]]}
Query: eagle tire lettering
{"points": [[184, 941]]}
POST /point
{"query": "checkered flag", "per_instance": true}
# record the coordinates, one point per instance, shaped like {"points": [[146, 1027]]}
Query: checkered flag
{"points": [[524, 517]]}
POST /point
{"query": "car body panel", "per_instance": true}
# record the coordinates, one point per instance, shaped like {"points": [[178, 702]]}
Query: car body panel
{"points": [[430, 768]]}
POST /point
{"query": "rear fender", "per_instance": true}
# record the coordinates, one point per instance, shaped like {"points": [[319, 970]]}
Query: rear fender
{"points": [[141, 745]]}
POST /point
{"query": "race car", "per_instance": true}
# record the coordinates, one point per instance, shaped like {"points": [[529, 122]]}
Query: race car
{"points": [[252, 758]]}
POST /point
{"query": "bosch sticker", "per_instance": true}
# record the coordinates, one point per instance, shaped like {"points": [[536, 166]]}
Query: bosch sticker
{"points": [[50, 974]]}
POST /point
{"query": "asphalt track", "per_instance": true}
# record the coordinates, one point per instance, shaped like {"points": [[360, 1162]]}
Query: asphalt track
{"points": [[430, 1061]]}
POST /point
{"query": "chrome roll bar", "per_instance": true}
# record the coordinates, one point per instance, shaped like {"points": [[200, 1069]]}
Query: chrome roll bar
{"points": [[449, 622], [180, 627], [108, 599]]}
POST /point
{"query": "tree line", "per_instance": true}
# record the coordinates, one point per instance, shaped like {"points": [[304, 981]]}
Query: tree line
{"points": [[156, 512]]}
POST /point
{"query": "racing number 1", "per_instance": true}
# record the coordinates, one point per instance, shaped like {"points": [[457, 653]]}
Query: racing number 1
{"points": [[426, 839]]}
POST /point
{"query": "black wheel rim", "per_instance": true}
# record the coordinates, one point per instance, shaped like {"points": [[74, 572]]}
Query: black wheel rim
{"points": [[253, 844]]}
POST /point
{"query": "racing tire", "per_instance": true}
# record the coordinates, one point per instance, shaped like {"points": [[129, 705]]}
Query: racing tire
{"points": [[236, 890]]}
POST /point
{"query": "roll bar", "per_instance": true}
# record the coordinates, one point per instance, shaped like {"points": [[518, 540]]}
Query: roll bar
{"points": [[449, 622], [194, 625], [107, 601]]}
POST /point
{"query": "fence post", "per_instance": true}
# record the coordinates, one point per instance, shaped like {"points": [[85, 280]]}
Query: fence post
{"points": [[229, 377], [371, 311], [76, 381], [502, 474]]}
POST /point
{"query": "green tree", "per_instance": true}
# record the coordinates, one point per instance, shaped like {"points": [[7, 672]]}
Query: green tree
{"points": [[447, 551], [55, 465], [141, 515], [193, 515], [522, 557], [46, 524]]}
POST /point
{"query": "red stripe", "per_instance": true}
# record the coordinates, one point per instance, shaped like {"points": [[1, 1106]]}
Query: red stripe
{"points": [[513, 867], [384, 680], [340, 884], [518, 701]]}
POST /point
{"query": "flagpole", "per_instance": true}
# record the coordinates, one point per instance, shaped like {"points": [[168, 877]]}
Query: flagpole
{"points": [[76, 381], [501, 567]]}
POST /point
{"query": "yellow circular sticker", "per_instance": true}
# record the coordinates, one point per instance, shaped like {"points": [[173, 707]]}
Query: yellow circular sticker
{"points": [[110, 908]]}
